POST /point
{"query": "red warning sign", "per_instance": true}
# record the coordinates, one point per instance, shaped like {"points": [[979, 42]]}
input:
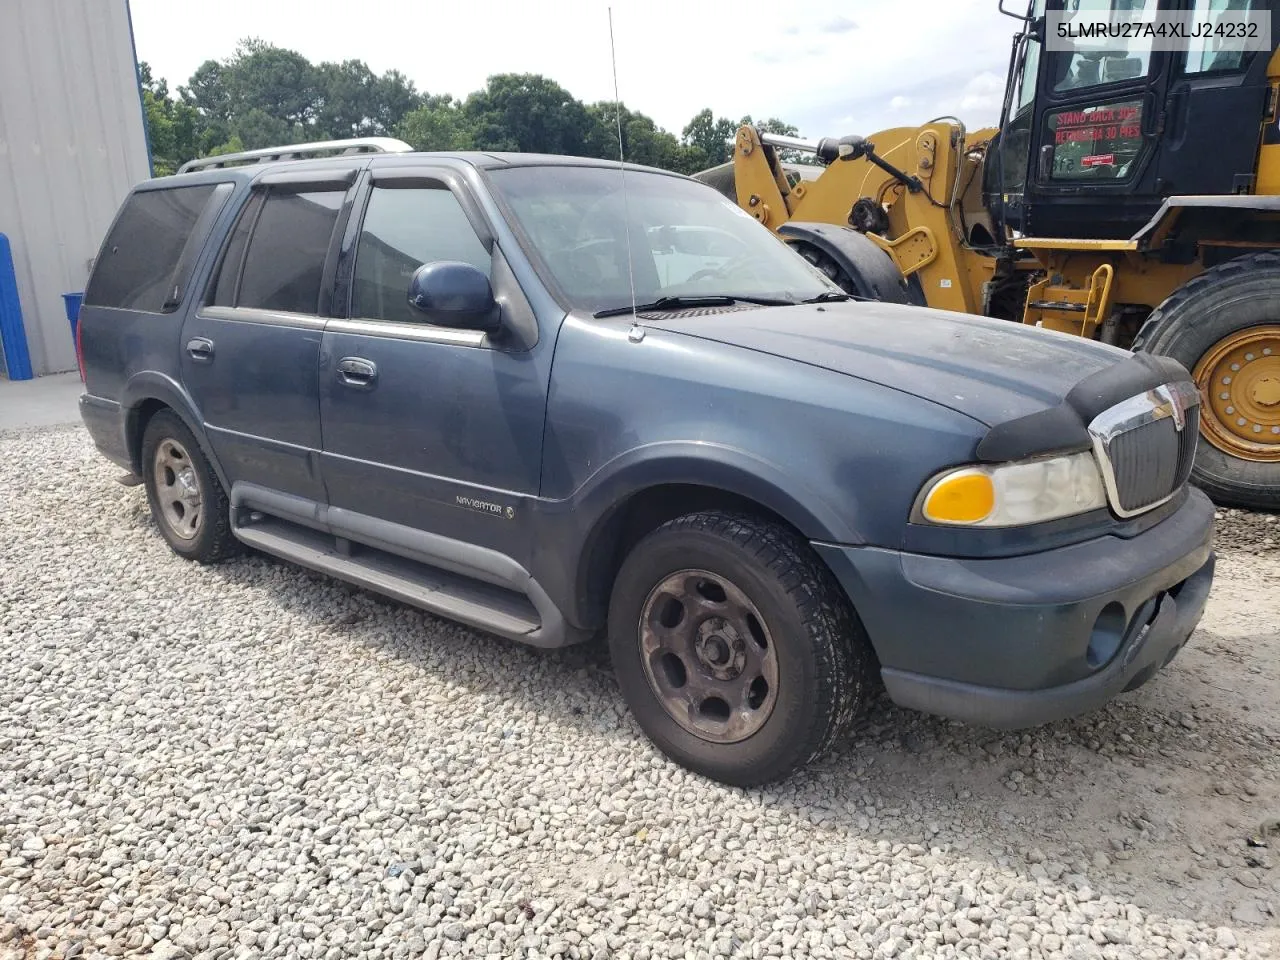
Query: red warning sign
{"points": [[1099, 160]]}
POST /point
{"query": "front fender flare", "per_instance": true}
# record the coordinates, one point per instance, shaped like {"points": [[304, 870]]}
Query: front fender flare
{"points": [[575, 525]]}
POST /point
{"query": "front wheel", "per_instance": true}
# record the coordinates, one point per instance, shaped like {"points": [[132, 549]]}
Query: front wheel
{"points": [[735, 649], [1224, 326]]}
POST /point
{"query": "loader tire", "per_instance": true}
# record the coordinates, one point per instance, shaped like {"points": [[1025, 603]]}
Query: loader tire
{"points": [[1224, 327]]}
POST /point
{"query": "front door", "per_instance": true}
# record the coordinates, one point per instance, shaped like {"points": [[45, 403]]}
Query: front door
{"points": [[251, 355], [1099, 110], [430, 429]]}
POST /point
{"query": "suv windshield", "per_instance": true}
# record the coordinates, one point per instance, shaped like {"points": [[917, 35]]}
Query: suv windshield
{"points": [[685, 239]]}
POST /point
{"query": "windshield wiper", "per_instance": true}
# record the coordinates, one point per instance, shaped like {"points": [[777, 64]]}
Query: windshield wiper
{"points": [[829, 296], [686, 302]]}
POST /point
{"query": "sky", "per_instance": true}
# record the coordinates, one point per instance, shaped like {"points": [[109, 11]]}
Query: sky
{"points": [[830, 68]]}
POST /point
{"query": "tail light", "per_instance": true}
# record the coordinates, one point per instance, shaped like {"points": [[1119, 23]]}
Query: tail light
{"points": [[80, 347]]}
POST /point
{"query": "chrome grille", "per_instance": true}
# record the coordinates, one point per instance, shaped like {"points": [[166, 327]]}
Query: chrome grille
{"points": [[1146, 445]]}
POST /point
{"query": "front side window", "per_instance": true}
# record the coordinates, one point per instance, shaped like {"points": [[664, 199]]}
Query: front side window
{"points": [[597, 234], [284, 261], [136, 268], [405, 227], [1094, 63]]}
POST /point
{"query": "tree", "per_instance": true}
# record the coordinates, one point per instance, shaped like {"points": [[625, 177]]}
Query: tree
{"points": [[711, 136], [439, 124], [266, 96], [715, 137], [527, 112], [353, 102], [171, 125], [347, 100]]}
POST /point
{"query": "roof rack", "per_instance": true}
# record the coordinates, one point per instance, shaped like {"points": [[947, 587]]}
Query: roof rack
{"points": [[299, 151]]}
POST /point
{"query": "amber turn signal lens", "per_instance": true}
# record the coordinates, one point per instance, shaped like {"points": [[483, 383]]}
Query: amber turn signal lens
{"points": [[967, 496]]}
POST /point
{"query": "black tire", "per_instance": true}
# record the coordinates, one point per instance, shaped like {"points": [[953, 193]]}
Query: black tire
{"points": [[1232, 296], [824, 663], [877, 279], [210, 538]]}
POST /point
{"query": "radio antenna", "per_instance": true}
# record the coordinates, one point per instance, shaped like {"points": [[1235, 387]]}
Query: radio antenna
{"points": [[622, 167]]}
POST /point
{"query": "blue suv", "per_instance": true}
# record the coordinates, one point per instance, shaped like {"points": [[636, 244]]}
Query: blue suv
{"points": [[551, 397]]}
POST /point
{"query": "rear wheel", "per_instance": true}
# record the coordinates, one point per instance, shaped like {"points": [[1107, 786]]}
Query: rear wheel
{"points": [[187, 501], [734, 647], [1224, 326]]}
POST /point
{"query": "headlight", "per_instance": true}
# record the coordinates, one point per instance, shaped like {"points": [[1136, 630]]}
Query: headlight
{"points": [[1013, 494]]}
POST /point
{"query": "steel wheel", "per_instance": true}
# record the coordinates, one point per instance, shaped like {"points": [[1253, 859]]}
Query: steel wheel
{"points": [[708, 656], [1239, 381], [177, 489]]}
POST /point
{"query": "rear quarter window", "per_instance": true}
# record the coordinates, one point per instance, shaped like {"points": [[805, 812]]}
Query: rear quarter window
{"points": [[141, 265]]}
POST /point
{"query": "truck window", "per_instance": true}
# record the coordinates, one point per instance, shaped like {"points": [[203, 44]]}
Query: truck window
{"points": [[285, 258], [136, 268], [1209, 55], [1096, 143], [403, 229], [1107, 60]]}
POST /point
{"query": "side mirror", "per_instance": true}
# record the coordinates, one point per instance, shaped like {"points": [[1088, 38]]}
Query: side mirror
{"points": [[454, 294]]}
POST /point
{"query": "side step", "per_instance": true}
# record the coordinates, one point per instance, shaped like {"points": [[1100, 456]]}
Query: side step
{"points": [[504, 612]]}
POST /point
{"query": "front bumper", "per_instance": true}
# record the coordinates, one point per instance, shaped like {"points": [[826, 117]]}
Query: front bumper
{"points": [[1020, 641]]}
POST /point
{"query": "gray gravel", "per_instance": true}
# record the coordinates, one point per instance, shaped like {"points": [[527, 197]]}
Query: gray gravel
{"points": [[250, 761]]}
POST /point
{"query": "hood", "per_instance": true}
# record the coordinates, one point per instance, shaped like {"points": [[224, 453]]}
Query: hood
{"points": [[991, 370]]}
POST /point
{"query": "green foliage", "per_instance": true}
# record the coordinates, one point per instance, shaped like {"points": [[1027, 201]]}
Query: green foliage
{"points": [[171, 124], [528, 113], [264, 96], [439, 124]]}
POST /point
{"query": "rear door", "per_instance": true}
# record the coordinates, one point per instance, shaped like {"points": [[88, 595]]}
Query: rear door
{"points": [[251, 354], [130, 321]]}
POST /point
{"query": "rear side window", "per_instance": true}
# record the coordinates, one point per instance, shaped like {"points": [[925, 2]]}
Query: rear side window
{"points": [[283, 262], [141, 266]]}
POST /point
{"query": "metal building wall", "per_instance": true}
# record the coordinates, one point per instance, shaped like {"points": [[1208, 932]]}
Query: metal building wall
{"points": [[72, 143]]}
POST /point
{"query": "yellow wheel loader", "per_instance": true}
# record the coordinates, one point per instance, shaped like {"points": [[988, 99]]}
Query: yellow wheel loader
{"points": [[1130, 194]]}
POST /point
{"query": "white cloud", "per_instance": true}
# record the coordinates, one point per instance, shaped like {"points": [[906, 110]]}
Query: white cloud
{"points": [[839, 25], [900, 103], [984, 93]]}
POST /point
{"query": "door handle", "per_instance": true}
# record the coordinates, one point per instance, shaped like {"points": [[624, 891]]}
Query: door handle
{"points": [[357, 372], [200, 349], [1044, 171]]}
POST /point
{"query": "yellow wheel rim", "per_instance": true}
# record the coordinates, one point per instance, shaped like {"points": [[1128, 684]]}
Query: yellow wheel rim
{"points": [[1239, 381]]}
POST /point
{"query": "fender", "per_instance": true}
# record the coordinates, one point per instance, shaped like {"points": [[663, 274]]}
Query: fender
{"points": [[572, 530], [152, 385], [872, 272]]}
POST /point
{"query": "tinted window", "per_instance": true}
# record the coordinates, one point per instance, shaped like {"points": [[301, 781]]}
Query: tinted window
{"points": [[136, 268], [285, 259], [224, 293], [403, 229]]}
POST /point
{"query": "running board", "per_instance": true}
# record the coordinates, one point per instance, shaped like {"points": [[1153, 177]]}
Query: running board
{"points": [[473, 602]]}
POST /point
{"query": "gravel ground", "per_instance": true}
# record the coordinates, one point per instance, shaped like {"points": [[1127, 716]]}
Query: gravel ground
{"points": [[251, 761]]}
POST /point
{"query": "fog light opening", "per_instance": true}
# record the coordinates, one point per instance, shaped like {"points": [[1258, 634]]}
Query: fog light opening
{"points": [[1108, 631]]}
